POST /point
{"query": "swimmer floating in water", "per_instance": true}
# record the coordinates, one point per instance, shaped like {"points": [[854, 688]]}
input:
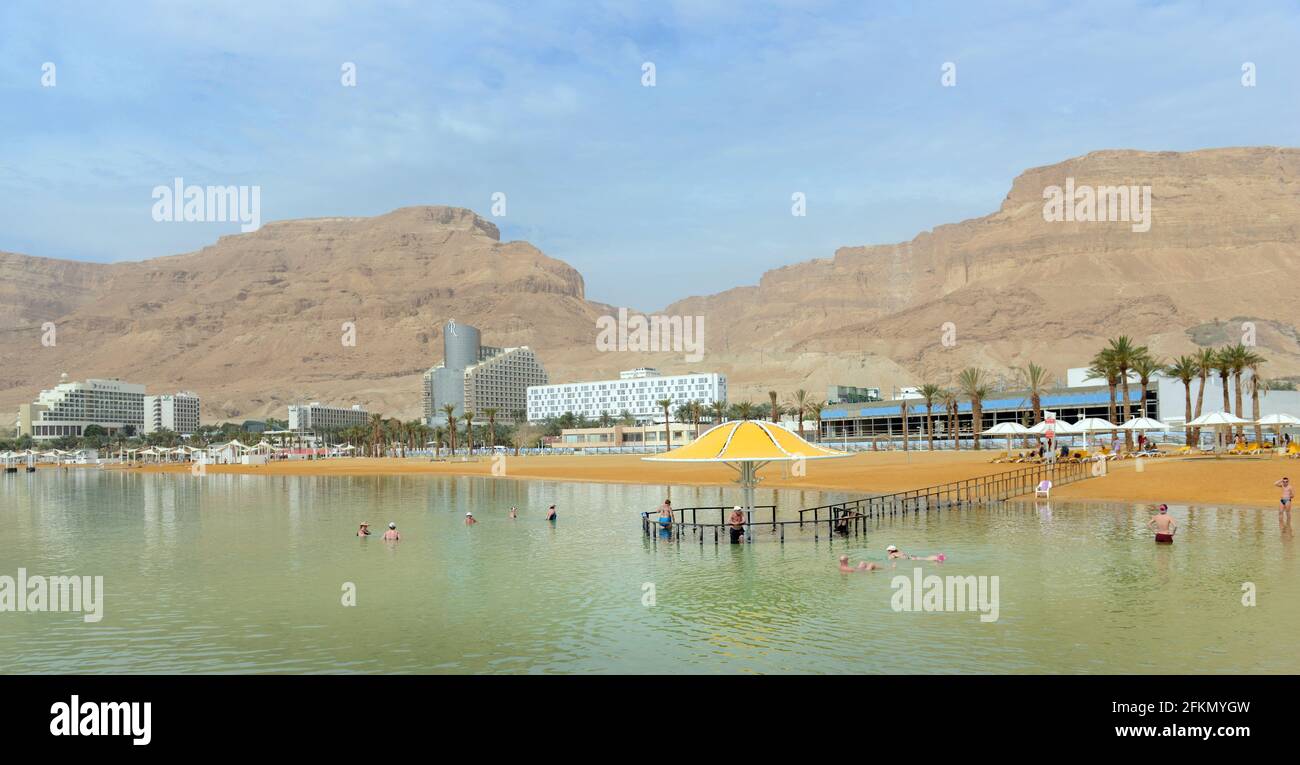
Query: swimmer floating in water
{"points": [[896, 554], [1164, 526], [863, 565]]}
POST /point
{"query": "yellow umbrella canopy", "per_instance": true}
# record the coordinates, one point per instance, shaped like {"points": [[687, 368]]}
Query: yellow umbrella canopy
{"points": [[747, 445]]}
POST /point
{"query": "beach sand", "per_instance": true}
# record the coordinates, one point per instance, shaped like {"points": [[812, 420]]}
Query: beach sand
{"points": [[1230, 480]]}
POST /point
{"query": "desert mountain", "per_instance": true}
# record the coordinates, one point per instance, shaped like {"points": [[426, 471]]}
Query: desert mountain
{"points": [[254, 321]]}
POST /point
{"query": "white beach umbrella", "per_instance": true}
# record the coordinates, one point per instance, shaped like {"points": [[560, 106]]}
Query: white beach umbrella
{"points": [[1278, 421], [1008, 429], [1143, 423], [1218, 421], [1089, 425]]}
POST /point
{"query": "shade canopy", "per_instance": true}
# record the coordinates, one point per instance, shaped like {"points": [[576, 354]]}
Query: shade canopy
{"points": [[1218, 419], [1278, 419], [1094, 425], [1060, 427], [1007, 429], [746, 446], [747, 441], [1144, 423]]}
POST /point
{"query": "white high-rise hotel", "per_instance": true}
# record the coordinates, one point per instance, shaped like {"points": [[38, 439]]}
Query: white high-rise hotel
{"points": [[114, 405], [177, 412], [637, 391]]}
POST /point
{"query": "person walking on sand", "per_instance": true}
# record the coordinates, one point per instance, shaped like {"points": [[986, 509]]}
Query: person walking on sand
{"points": [[1288, 495], [1164, 526], [391, 535]]}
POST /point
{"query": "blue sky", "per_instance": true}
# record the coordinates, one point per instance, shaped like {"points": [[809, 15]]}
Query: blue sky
{"points": [[652, 193]]}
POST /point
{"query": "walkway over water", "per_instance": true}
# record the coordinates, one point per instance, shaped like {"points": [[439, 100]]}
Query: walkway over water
{"points": [[850, 517]]}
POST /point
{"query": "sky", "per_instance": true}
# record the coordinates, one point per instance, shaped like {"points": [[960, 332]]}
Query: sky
{"points": [[653, 193]]}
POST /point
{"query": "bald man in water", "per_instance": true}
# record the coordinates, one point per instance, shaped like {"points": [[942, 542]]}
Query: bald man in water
{"points": [[864, 565], [1164, 525]]}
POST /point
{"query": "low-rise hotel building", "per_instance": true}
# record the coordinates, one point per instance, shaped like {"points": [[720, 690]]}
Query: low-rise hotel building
{"points": [[652, 437], [637, 391], [318, 416]]}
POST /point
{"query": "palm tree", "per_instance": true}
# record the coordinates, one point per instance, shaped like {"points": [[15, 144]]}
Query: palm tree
{"points": [[815, 413], [1204, 364], [929, 394], [799, 405], [719, 411], [1124, 353], [1223, 368], [439, 433], [668, 428], [449, 410], [974, 384], [776, 409], [1238, 357], [1103, 365], [1037, 381], [469, 431], [1186, 369], [1146, 367], [491, 413], [949, 398], [376, 434], [1256, 385], [696, 408], [744, 411], [902, 409]]}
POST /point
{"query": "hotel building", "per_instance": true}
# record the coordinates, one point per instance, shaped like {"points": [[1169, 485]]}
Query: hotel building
{"points": [[317, 416], [70, 407], [637, 391], [177, 412], [476, 377]]}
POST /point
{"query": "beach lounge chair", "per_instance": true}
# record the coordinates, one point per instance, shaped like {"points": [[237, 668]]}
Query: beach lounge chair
{"points": [[1044, 489]]}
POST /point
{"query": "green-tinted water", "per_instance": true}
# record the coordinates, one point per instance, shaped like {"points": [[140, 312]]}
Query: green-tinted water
{"points": [[246, 573]]}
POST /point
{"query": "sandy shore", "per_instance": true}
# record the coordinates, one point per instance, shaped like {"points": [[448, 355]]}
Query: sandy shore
{"points": [[1231, 480]]}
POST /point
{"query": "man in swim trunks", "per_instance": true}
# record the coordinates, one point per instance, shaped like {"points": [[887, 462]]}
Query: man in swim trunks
{"points": [[1164, 526], [550, 513], [391, 535], [863, 565], [469, 519], [736, 525], [1288, 496], [364, 531], [666, 516]]}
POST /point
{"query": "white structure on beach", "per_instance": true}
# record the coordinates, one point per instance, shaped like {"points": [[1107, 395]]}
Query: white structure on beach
{"points": [[70, 407], [317, 416], [177, 412], [1170, 396], [637, 391]]}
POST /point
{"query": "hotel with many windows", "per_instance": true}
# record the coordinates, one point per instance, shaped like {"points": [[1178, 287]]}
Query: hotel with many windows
{"points": [[637, 391], [69, 408], [318, 416], [475, 377], [177, 412]]}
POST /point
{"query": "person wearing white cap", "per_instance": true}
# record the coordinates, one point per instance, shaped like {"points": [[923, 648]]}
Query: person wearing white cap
{"points": [[391, 535], [469, 519], [736, 525]]}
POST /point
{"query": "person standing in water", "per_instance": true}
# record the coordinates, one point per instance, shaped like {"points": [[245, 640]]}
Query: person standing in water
{"points": [[550, 513], [364, 531], [469, 519], [736, 525], [666, 516], [1164, 526], [514, 513], [391, 535], [1288, 496]]}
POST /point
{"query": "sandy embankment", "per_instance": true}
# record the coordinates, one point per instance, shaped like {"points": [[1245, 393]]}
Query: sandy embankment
{"points": [[1230, 480]]}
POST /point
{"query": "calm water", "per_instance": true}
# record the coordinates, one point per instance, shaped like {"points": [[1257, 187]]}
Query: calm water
{"points": [[245, 574]]}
